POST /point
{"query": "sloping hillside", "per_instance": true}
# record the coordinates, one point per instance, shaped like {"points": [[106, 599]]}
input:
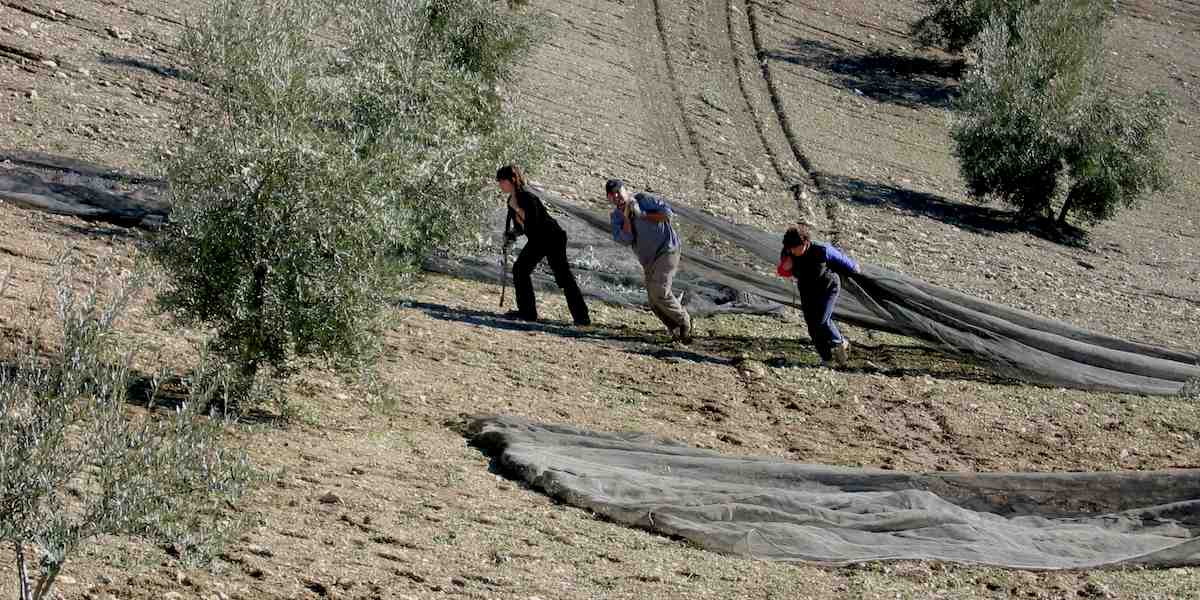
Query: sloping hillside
{"points": [[843, 105], [759, 112]]}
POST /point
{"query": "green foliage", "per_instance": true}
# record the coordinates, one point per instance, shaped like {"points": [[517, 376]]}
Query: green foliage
{"points": [[77, 461], [1035, 110], [473, 35], [1119, 155], [954, 24], [337, 145]]}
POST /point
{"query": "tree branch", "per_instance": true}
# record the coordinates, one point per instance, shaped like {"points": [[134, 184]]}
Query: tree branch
{"points": [[44, 584], [22, 574]]}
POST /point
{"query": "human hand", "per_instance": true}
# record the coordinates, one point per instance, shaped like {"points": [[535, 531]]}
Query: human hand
{"points": [[632, 209]]}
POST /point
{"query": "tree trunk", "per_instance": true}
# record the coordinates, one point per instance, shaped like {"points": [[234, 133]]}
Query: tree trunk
{"points": [[46, 582], [1062, 214], [250, 369], [22, 574], [253, 354]]}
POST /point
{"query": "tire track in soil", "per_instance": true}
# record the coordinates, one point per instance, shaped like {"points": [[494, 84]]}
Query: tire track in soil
{"points": [[140, 13], [1183, 12], [694, 140], [832, 207], [604, 97], [689, 127], [799, 194]]}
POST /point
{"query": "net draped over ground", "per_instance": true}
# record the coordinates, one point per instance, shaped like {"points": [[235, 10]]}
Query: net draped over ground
{"points": [[1014, 342], [776, 510], [76, 188]]}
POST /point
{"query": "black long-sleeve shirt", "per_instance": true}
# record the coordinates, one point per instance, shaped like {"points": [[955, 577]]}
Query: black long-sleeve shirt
{"points": [[539, 226]]}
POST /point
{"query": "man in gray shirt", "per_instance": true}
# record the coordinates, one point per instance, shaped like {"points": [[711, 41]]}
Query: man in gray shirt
{"points": [[644, 221]]}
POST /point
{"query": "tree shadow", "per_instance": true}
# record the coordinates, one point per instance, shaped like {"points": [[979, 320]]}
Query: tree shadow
{"points": [[168, 394], [137, 63], [910, 81], [975, 218], [151, 393], [171, 393]]}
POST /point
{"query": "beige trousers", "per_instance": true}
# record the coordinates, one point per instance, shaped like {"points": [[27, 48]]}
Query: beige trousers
{"points": [[659, 275]]}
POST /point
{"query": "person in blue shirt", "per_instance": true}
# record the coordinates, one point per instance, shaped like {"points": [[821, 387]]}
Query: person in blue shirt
{"points": [[817, 269], [545, 239], [643, 221]]}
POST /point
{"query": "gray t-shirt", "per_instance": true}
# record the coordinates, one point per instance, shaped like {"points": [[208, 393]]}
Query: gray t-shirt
{"points": [[650, 240]]}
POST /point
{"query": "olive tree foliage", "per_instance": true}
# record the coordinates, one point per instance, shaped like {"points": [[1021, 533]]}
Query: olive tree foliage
{"points": [[334, 145], [77, 461], [1036, 124], [954, 24]]}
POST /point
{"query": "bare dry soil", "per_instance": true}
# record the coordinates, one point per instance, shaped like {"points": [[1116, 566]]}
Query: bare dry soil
{"points": [[763, 112]]}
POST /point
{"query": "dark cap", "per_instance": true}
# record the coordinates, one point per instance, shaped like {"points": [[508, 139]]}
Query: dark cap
{"points": [[613, 186]]}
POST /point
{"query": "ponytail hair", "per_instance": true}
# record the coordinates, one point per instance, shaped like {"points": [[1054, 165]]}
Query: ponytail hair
{"points": [[511, 173]]}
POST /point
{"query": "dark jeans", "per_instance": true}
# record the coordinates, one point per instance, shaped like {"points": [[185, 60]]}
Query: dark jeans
{"points": [[555, 252], [818, 315]]}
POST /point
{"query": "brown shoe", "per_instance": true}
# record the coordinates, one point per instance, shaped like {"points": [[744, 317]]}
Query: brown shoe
{"points": [[684, 335], [841, 354]]}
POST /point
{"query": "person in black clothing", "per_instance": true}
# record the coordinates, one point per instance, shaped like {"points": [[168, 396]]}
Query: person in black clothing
{"points": [[545, 239], [815, 268]]}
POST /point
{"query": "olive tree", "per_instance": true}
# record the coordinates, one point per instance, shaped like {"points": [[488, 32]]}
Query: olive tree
{"points": [[954, 24], [333, 145], [1037, 125], [79, 461]]}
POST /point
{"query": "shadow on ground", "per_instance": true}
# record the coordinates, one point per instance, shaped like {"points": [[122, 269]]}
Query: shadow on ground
{"points": [[892, 360], [157, 69], [911, 81], [636, 342], [970, 217]]}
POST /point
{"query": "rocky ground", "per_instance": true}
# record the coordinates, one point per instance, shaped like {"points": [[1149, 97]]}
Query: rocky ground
{"points": [[763, 112]]}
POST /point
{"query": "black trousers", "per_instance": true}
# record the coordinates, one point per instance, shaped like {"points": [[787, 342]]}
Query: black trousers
{"points": [[817, 306], [554, 250]]}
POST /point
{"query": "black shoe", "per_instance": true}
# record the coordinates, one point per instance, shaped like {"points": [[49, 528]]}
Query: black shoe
{"points": [[583, 322], [516, 315]]}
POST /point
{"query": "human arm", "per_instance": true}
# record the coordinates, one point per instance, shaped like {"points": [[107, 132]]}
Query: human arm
{"points": [[621, 232], [514, 208], [512, 226], [839, 262], [521, 204], [653, 208]]}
